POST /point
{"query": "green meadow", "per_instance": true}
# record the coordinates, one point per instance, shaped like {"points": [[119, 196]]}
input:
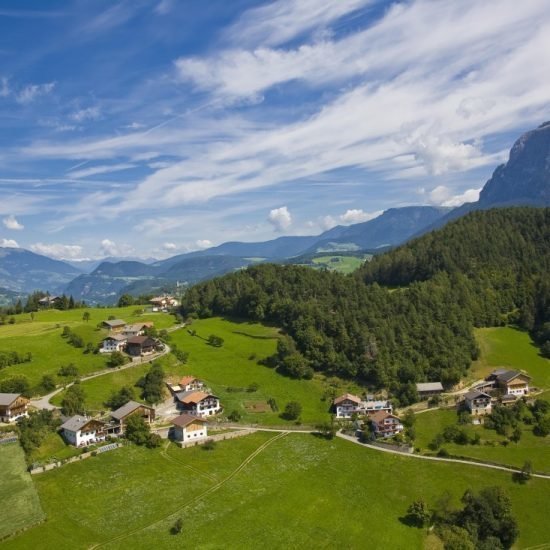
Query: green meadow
{"points": [[42, 337], [342, 264], [20, 503], [262, 490], [509, 347]]}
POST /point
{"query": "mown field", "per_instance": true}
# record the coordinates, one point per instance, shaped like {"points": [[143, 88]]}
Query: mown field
{"points": [[42, 337], [298, 492], [499, 347], [342, 264], [18, 497]]}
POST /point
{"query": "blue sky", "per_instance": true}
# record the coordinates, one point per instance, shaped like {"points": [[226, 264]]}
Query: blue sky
{"points": [[155, 127]]}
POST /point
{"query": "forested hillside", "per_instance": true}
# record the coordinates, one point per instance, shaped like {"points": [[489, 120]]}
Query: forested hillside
{"points": [[477, 271]]}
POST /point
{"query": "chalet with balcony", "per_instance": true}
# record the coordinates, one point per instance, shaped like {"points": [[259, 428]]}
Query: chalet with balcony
{"points": [[185, 384], [188, 428], [510, 382], [137, 329], [13, 406], [478, 402], [198, 403], [81, 431], [385, 424], [114, 342], [346, 405]]}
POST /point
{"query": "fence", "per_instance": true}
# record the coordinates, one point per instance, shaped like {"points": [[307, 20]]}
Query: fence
{"points": [[12, 439], [219, 437], [83, 456]]}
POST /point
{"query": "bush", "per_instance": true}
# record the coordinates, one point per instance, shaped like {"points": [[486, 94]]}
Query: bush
{"points": [[235, 416], [254, 387], [292, 411], [209, 445], [177, 528]]}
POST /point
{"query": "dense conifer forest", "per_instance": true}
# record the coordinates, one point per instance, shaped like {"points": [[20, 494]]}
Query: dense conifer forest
{"points": [[408, 315]]}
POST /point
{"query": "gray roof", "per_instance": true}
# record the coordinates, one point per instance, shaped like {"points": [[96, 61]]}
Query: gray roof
{"points": [[475, 394], [509, 375], [8, 398], [127, 409], [117, 337], [429, 386], [75, 423]]}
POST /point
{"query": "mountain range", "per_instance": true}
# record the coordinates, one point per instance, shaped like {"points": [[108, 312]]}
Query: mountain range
{"points": [[523, 180]]}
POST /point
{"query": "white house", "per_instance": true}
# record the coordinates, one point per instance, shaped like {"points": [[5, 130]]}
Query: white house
{"points": [[137, 329], [348, 404], [116, 342], [187, 383], [198, 403], [478, 402], [189, 428], [12, 406], [511, 382], [81, 431]]}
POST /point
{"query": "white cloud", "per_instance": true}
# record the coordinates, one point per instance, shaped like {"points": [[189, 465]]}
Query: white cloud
{"points": [[357, 216], [34, 91], [4, 87], [280, 218], [169, 246], [8, 243], [109, 248], [203, 243], [93, 170], [134, 126], [58, 251], [327, 222], [11, 223], [443, 196], [282, 20], [89, 113]]}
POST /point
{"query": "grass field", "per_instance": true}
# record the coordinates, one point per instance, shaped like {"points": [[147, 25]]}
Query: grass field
{"points": [[299, 492], [20, 504], [508, 347], [235, 365], [42, 337]]}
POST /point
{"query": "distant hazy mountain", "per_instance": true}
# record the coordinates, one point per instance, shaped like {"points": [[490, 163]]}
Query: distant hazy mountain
{"points": [[8, 297], [87, 266], [25, 271]]}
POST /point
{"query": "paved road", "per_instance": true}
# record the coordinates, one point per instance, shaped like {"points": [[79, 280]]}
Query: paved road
{"points": [[44, 402], [436, 458]]}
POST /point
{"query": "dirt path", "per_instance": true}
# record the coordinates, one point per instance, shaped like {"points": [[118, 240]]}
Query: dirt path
{"points": [[202, 495]]}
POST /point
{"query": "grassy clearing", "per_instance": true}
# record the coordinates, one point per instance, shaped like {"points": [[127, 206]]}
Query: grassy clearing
{"points": [[20, 504], [42, 337], [235, 365], [508, 347], [300, 491], [342, 264]]}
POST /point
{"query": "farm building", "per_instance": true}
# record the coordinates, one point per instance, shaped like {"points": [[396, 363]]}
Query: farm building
{"points": [[478, 402], [12, 406], [81, 431], [115, 342], [429, 389], [187, 428], [140, 345], [132, 407], [114, 325]]}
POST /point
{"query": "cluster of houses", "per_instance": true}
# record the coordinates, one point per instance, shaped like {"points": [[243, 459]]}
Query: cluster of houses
{"points": [[379, 413], [192, 398], [131, 339], [502, 385], [163, 303]]}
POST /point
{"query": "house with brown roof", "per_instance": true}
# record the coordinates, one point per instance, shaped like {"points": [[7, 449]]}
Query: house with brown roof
{"points": [[131, 408], [198, 403], [13, 406], [136, 329], [162, 303], [81, 431], [140, 345], [478, 402], [348, 404], [385, 424], [188, 428], [429, 389]]}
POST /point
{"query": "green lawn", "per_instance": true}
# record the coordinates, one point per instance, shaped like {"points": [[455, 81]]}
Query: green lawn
{"points": [[235, 364], [19, 500], [42, 337], [508, 347], [299, 492]]}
